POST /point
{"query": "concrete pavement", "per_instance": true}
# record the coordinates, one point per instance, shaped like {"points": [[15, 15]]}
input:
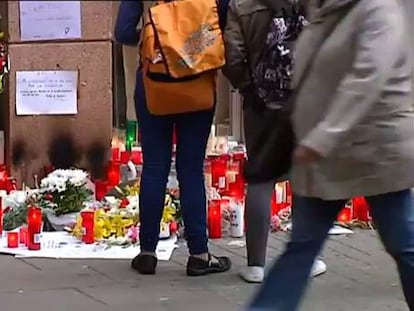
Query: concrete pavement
{"points": [[360, 277]]}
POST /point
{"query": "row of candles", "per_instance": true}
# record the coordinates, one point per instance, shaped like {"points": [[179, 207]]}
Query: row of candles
{"points": [[29, 235], [358, 209]]}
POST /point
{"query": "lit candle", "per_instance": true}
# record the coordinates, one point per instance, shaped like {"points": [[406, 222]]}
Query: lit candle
{"points": [[101, 188], [34, 228], [125, 156], [361, 209], [23, 235], [214, 219], [218, 171], [115, 154], [12, 240], [207, 173], [114, 173], [88, 224], [1, 216], [345, 215], [136, 155], [131, 132]]}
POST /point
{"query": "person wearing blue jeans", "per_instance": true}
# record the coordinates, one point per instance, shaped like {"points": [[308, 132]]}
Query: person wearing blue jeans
{"points": [[192, 131], [393, 214], [354, 126]]}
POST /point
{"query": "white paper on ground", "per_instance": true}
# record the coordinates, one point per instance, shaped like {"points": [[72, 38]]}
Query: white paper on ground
{"points": [[61, 245], [50, 20], [46, 92]]}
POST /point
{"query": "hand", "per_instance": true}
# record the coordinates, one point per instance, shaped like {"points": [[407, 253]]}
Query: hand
{"points": [[304, 155]]}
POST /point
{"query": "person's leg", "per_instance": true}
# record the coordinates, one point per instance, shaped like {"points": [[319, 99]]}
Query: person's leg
{"points": [[156, 140], [393, 214], [258, 202], [258, 216], [286, 282], [258, 208], [192, 131]]}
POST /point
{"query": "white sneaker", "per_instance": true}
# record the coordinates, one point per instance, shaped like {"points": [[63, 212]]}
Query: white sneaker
{"points": [[252, 274], [319, 267], [255, 274]]}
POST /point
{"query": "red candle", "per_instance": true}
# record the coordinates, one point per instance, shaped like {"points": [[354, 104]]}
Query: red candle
{"points": [[114, 173], [240, 159], [345, 215], [115, 154], [12, 240], [214, 219], [101, 187], [88, 224], [136, 157], [361, 209], [1, 216], [218, 172], [23, 235], [34, 228], [125, 157], [207, 173]]}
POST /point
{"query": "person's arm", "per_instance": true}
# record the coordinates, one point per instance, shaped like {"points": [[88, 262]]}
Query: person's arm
{"points": [[223, 6], [129, 15], [378, 43], [236, 68]]}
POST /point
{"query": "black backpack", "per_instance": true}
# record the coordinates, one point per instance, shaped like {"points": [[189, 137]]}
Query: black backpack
{"points": [[270, 151], [272, 75]]}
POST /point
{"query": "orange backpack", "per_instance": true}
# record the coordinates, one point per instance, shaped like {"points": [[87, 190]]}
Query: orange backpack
{"points": [[181, 49]]}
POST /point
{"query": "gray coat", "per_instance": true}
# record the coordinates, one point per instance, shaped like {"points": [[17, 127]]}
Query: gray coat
{"points": [[354, 105]]}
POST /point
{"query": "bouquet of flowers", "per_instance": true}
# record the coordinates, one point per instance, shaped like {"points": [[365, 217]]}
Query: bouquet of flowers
{"points": [[65, 191], [15, 214]]}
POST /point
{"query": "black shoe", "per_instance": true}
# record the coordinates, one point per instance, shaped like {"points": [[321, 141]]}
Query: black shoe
{"points": [[144, 264], [199, 267]]}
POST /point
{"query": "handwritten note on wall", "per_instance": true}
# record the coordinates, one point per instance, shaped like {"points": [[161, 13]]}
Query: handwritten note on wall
{"points": [[46, 92], [50, 20]]}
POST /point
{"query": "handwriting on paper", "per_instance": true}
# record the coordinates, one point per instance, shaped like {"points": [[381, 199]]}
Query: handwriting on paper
{"points": [[46, 92], [50, 20]]}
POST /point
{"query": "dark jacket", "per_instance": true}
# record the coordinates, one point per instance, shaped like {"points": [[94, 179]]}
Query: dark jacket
{"points": [[247, 25]]}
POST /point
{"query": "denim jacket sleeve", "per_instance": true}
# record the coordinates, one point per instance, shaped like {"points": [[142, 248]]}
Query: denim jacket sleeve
{"points": [[129, 15]]}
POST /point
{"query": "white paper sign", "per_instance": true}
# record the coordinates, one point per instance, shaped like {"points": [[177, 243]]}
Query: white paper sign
{"points": [[46, 92], [49, 20]]}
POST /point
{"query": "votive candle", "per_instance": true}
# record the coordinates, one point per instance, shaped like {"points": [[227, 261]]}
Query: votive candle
{"points": [[1, 217], [214, 219], [88, 224], [101, 188], [345, 215], [23, 235], [34, 228], [12, 239], [114, 173]]}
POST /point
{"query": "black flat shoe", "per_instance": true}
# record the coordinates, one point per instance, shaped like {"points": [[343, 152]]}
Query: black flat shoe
{"points": [[144, 264], [199, 267]]}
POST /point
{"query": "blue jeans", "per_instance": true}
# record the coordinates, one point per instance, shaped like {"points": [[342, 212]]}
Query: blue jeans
{"points": [[192, 131], [312, 219]]}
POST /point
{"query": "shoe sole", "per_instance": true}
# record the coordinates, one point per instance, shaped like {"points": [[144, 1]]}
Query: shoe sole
{"points": [[250, 281], [207, 271]]}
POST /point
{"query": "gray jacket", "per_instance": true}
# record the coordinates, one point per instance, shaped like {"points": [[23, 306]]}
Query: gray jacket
{"points": [[354, 106]]}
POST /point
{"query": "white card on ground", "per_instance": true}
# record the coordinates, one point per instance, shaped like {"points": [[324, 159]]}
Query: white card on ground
{"points": [[61, 245]]}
